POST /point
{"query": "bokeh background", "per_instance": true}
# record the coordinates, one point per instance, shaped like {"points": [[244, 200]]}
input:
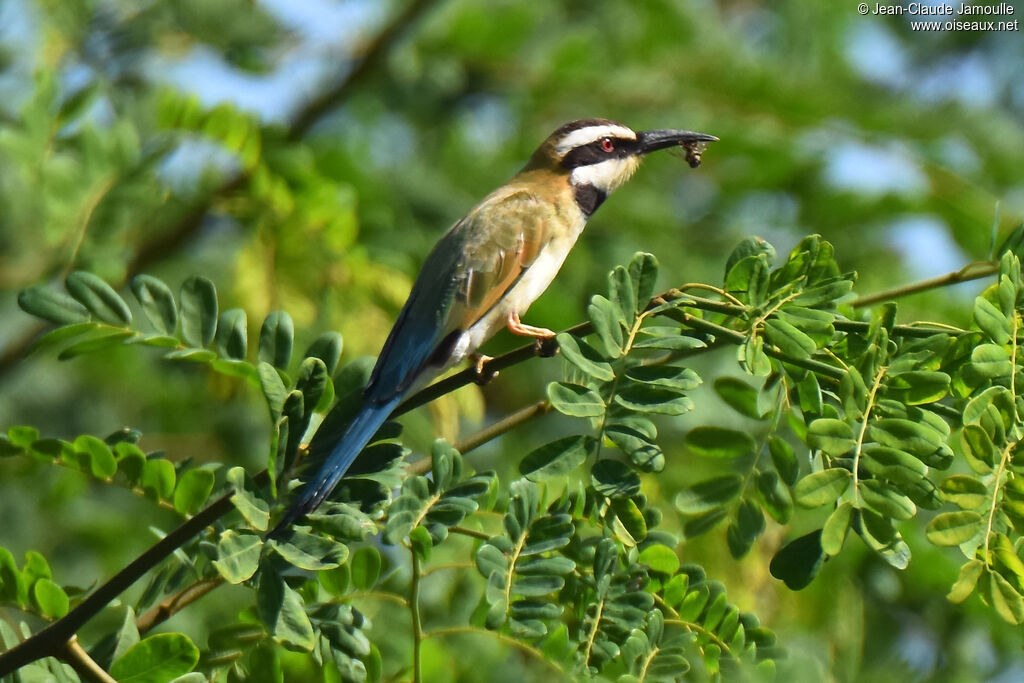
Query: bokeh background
{"points": [[306, 156]]}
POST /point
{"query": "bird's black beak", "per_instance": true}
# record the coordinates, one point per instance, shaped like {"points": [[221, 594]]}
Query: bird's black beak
{"points": [[652, 140]]}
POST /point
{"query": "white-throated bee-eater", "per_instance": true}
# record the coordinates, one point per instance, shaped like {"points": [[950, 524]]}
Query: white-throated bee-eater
{"points": [[487, 270]]}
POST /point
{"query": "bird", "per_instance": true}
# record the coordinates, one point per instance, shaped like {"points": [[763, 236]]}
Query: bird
{"points": [[488, 268]]}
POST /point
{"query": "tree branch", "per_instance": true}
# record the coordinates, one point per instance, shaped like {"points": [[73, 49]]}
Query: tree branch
{"points": [[972, 271], [50, 640]]}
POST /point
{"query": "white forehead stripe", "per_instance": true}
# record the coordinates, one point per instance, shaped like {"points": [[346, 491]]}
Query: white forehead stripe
{"points": [[590, 134]]}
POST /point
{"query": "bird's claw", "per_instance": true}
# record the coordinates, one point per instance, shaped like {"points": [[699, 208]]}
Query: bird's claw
{"points": [[482, 375]]}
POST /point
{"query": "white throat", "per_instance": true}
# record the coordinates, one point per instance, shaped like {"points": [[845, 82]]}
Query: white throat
{"points": [[606, 176]]}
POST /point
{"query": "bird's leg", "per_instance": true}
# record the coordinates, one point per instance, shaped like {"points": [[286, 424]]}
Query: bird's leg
{"points": [[483, 376], [543, 338], [516, 326]]}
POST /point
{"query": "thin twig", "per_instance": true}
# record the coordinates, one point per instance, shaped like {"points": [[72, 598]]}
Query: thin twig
{"points": [[77, 658], [174, 604], [972, 271]]}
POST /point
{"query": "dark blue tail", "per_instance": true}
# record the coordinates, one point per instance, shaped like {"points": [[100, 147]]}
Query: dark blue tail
{"points": [[359, 432]]}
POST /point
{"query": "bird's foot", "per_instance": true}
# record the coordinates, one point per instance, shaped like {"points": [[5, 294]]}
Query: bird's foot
{"points": [[546, 348], [516, 326], [482, 374]]}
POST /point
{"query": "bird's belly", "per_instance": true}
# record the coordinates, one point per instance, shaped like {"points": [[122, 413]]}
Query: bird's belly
{"points": [[518, 299]]}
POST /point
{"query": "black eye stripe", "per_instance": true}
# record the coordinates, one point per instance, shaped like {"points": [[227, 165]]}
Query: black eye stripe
{"points": [[592, 153]]}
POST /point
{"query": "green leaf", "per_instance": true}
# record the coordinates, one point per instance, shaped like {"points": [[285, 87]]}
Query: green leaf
{"points": [[752, 357], [964, 491], [59, 335], [605, 318], [100, 298], [643, 452], [739, 396], [718, 442], [914, 438], [883, 499], [366, 565], [790, 341], [281, 610], [893, 464], [584, 358], [745, 529], [1006, 600], [836, 526], [799, 561], [310, 552], [101, 462], [327, 347], [620, 290], [276, 337], [645, 398], [238, 555], [825, 294], [917, 386], [127, 635], [664, 375], [312, 380], [49, 304], [991, 361], [556, 459], [991, 321], [660, 559], [966, 581], [191, 354], [954, 528], [273, 387], [709, 494], [93, 343], [748, 279], [784, 459], [156, 659], [667, 339], [775, 496], [192, 491], [157, 303], [614, 479], [52, 600], [158, 478], [198, 311], [575, 400], [421, 543], [13, 587], [822, 487], [232, 337], [880, 535], [253, 509], [830, 435], [643, 271]]}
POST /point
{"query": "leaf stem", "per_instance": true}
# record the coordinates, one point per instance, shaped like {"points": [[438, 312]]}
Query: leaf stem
{"points": [[417, 624], [859, 446]]}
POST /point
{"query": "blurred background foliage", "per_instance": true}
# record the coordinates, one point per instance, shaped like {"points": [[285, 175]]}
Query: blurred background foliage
{"points": [[306, 156]]}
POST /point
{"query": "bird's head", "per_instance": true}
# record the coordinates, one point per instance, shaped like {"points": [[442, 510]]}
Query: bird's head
{"points": [[602, 154]]}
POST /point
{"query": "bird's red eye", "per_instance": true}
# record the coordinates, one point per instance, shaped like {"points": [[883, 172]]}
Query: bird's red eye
{"points": [[607, 144]]}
